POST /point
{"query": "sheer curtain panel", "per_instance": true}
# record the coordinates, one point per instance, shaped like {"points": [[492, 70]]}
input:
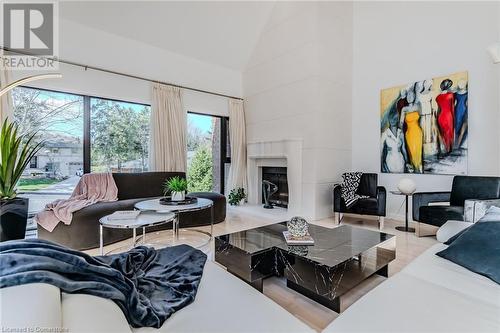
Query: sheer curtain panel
{"points": [[168, 130], [237, 136]]}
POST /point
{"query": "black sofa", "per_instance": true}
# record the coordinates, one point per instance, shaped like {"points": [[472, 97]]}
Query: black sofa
{"points": [[463, 188], [373, 205], [83, 232]]}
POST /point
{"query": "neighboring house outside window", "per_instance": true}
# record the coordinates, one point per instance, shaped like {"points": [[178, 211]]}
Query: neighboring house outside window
{"points": [[33, 162]]}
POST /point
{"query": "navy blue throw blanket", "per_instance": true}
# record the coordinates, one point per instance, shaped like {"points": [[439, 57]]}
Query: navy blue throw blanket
{"points": [[148, 285]]}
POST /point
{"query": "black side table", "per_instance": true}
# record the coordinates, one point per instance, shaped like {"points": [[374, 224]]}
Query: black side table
{"points": [[406, 228]]}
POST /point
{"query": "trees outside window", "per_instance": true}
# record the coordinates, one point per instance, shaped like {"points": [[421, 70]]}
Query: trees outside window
{"points": [[119, 136], [206, 149], [58, 119], [199, 175]]}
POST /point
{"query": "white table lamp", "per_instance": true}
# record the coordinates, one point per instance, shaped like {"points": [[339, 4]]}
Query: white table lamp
{"points": [[407, 186]]}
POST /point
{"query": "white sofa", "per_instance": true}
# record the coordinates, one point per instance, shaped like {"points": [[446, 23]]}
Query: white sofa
{"points": [[223, 304], [431, 294]]}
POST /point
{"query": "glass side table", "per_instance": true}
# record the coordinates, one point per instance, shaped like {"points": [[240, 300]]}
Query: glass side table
{"points": [[194, 237], [404, 228], [143, 220]]}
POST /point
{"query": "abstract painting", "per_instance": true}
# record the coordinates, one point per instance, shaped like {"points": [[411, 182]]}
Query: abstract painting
{"points": [[424, 126]]}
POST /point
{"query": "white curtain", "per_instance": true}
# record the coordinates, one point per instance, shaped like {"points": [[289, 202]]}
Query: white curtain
{"points": [[168, 151], [237, 136], [6, 105]]}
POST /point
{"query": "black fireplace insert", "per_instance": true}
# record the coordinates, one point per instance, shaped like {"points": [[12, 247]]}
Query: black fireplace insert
{"points": [[277, 176]]}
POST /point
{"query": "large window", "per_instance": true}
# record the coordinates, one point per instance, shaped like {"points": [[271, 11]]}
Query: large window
{"points": [[119, 136], [58, 120], [90, 134]]}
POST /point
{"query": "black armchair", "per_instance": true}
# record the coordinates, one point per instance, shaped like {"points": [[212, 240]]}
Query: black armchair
{"points": [[463, 188], [373, 205]]}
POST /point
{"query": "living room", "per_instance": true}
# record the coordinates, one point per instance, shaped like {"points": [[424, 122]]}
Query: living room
{"points": [[183, 142]]}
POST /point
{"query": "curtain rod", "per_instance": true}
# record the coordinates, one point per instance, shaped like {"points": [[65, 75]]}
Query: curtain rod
{"points": [[86, 67]]}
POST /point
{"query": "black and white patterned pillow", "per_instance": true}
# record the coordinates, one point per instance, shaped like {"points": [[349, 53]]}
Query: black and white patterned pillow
{"points": [[350, 184]]}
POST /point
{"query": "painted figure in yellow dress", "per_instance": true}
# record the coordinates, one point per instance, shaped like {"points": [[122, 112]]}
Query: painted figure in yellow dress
{"points": [[414, 139], [410, 115]]}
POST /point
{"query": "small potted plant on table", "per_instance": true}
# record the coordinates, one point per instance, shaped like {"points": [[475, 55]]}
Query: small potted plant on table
{"points": [[177, 186], [16, 151]]}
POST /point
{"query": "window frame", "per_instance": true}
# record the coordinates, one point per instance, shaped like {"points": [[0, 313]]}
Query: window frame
{"points": [[224, 128]]}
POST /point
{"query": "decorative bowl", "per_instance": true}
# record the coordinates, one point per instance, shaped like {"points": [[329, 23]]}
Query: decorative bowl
{"points": [[167, 201]]}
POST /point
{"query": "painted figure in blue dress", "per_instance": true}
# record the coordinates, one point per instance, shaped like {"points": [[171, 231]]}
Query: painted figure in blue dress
{"points": [[461, 108]]}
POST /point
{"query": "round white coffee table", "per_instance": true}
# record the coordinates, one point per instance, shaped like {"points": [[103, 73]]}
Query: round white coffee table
{"points": [[185, 236], [143, 220]]}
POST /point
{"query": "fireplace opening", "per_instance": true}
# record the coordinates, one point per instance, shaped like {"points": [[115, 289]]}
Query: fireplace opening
{"points": [[277, 176]]}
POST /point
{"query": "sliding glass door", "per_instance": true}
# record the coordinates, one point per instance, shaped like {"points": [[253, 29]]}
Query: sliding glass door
{"points": [[206, 152]]}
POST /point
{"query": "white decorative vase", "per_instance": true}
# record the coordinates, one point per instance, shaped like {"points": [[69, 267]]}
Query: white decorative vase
{"points": [[178, 196], [407, 186]]}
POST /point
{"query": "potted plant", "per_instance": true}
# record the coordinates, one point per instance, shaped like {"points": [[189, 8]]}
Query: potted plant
{"points": [[177, 186], [16, 151], [236, 196]]}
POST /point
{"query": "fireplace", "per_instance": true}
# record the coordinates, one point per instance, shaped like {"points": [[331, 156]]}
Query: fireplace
{"points": [[277, 176], [276, 154]]}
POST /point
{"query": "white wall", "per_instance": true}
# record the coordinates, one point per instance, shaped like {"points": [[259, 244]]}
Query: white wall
{"points": [[400, 42], [498, 77], [315, 75], [93, 47], [297, 85]]}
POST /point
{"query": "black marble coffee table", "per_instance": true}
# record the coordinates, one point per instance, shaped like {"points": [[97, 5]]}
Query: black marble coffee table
{"points": [[340, 259]]}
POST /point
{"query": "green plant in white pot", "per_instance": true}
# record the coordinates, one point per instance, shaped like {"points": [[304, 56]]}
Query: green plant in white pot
{"points": [[236, 196], [16, 151], [177, 187]]}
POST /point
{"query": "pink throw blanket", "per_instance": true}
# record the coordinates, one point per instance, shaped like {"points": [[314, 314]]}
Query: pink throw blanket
{"points": [[92, 188]]}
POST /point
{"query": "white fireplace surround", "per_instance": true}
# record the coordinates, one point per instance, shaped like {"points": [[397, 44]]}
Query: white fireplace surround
{"points": [[282, 153]]}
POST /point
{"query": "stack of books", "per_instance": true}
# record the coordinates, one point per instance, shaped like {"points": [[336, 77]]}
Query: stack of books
{"points": [[291, 240], [124, 215]]}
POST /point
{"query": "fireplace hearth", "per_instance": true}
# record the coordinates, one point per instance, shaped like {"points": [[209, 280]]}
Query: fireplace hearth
{"points": [[277, 176]]}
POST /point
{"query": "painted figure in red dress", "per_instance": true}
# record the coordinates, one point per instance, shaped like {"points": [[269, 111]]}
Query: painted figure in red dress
{"points": [[446, 115]]}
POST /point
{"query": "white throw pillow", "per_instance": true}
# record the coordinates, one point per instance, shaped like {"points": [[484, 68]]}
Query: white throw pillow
{"points": [[492, 215], [450, 229]]}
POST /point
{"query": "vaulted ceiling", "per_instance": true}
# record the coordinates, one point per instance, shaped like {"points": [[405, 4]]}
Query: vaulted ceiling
{"points": [[221, 33]]}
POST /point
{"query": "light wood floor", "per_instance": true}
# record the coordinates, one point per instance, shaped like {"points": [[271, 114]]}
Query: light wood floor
{"points": [[408, 247]]}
